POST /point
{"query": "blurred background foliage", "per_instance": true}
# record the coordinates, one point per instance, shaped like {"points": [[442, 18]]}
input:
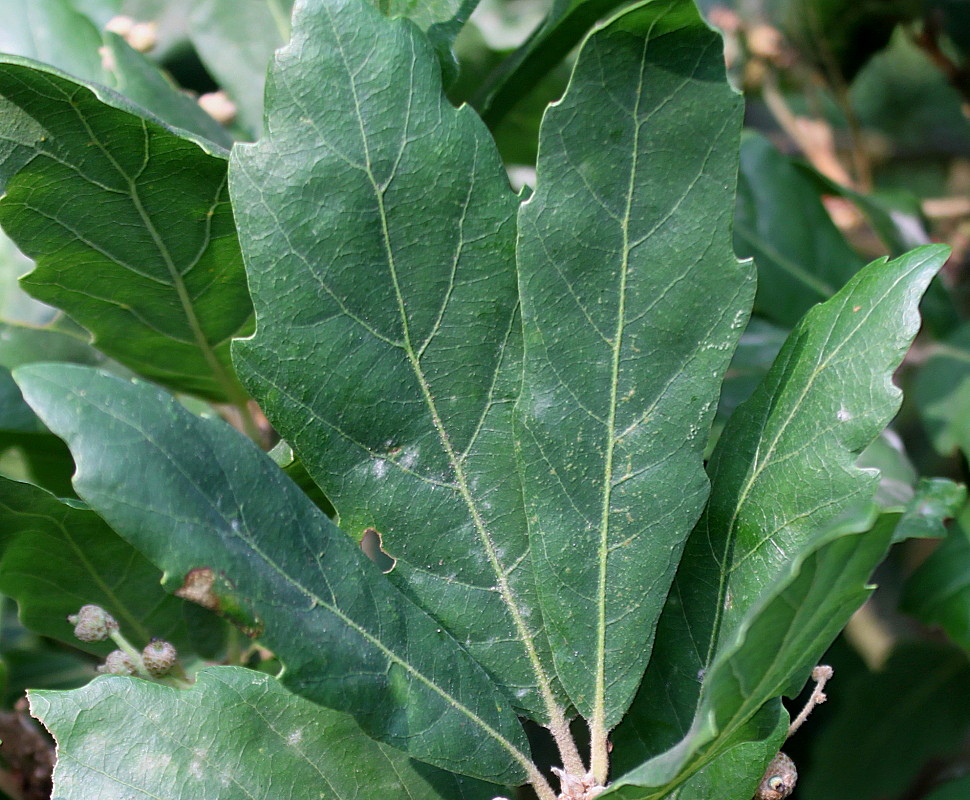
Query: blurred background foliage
{"points": [[857, 147]]}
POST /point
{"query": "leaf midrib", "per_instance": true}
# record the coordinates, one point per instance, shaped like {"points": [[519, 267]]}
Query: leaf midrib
{"points": [[553, 710], [219, 372], [763, 463], [598, 722], [306, 591]]}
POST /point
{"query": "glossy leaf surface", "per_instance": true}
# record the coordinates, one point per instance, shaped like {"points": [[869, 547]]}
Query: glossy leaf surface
{"points": [[632, 303], [231, 531]]}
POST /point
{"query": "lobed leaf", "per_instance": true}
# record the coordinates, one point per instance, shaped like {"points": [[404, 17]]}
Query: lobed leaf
{"points": [[632, 303], [130, 226], [782, 474], [378, 229], [233, 533], [235, 733]]}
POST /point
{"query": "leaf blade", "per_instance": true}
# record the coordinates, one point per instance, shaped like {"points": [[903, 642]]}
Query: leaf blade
{"points": [[155, 273], [393, 380], [230, 531], [234, 733], [622, 366], [828, 394], [44, 538]]}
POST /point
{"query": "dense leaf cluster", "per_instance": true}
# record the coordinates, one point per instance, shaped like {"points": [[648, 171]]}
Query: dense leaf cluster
{"points": [[516, 394]]}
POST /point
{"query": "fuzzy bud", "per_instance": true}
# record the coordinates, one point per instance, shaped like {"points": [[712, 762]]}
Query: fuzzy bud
{"points": [[118, 662], [158, 657], [779, 779], [92, 624]]}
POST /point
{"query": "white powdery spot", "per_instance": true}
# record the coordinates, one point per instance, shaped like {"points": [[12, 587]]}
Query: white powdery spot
{"points": [[843, 414], [409, 457], [197, 767], [294, 738], [380, 468], [153, 763]]}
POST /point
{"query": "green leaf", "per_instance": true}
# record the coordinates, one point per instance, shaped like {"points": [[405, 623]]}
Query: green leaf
{"points": [[30, 451], [942, 392], [954, 790], [33, 662], [566, 24], [896, 217], [15, 304], [387, 342], [632, 303], [938, 593], [802, 258], [55, 33], [236, 41], [913, 709], [230, 530], [235, 733], [15, 414], [131, 74], [56, 557], [934, 501], [782, 474], [770, 655], [755, 353], [130, 226], [736, 773], [98, 11], [920, 506], [427, 13], [45, 459]]}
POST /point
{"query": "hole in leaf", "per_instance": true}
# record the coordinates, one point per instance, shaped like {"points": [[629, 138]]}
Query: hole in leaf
{"points": [[373, 547]]}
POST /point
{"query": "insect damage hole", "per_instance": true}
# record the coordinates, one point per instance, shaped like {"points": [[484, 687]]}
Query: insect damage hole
{"points": [[373, 546]]}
